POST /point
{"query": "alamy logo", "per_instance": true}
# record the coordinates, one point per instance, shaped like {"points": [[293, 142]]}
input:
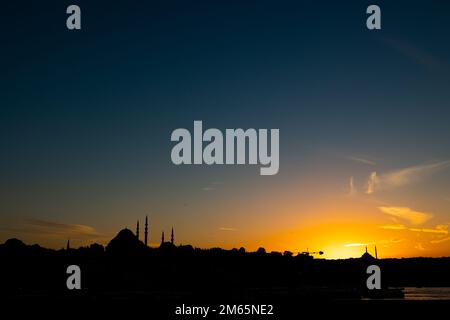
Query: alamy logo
{"points": [[74, 279], [237, 143], [73, 21], [373, 22], [374, 280]]}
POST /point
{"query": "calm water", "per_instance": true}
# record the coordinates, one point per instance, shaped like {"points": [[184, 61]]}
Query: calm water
{"points": [[412, 293]]}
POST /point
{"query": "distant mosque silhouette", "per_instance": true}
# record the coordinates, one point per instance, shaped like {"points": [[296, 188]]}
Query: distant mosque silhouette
{"points": [[368, 257], [172, 236], [145, 230], [126, 242]]}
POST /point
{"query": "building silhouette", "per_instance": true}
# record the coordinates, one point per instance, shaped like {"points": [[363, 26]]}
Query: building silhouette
{"points": [[125, 243], [146, 231], [137, 230], [146, 234], [367, 256]]}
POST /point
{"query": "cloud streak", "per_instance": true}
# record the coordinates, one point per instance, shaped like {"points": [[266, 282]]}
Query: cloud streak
{"points": [[439, 229], [371, 183], [227, 229], [406, 214], [352, 188], [361, 160], [59, 230], [416, 54], [403, 177], [213, 186], [349, 245], [394, 227], [440, 240]]}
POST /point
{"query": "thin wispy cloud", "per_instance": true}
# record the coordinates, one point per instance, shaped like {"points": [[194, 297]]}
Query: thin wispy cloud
{"points": [[361, 244], [407, 214], [349, 245], [227, 229], [403, 177], [412, 174], [352, 189], [371, 183], [396, 240], [75, 228], [361, 160], [59, 230], [428, 230], [439, 229], [213, 186], [440, 240], [416, 54], [394, 227], [442, 227]]}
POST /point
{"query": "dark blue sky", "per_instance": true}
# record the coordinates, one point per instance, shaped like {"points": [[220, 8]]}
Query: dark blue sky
{"points": [[86, 116]]}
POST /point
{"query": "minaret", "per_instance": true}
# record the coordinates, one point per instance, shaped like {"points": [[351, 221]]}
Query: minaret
{"points": [[68, 245], [137, 230], [171, 237], [366, 249], [162, 238], [376, 253], [146, 230]]}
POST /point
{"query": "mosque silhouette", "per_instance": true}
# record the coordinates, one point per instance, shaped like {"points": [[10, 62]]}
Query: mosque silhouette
{"points": [[127, 242]]}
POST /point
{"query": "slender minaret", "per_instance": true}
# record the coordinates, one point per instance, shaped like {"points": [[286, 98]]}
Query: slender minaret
{"points": [[376, 253], [68, 245], [137, 230], [146, 230], [171, 237], [162, 238], [366, 249]]}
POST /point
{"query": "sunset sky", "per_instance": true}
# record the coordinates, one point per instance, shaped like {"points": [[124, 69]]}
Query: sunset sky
{"points": [[364, 119]]}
